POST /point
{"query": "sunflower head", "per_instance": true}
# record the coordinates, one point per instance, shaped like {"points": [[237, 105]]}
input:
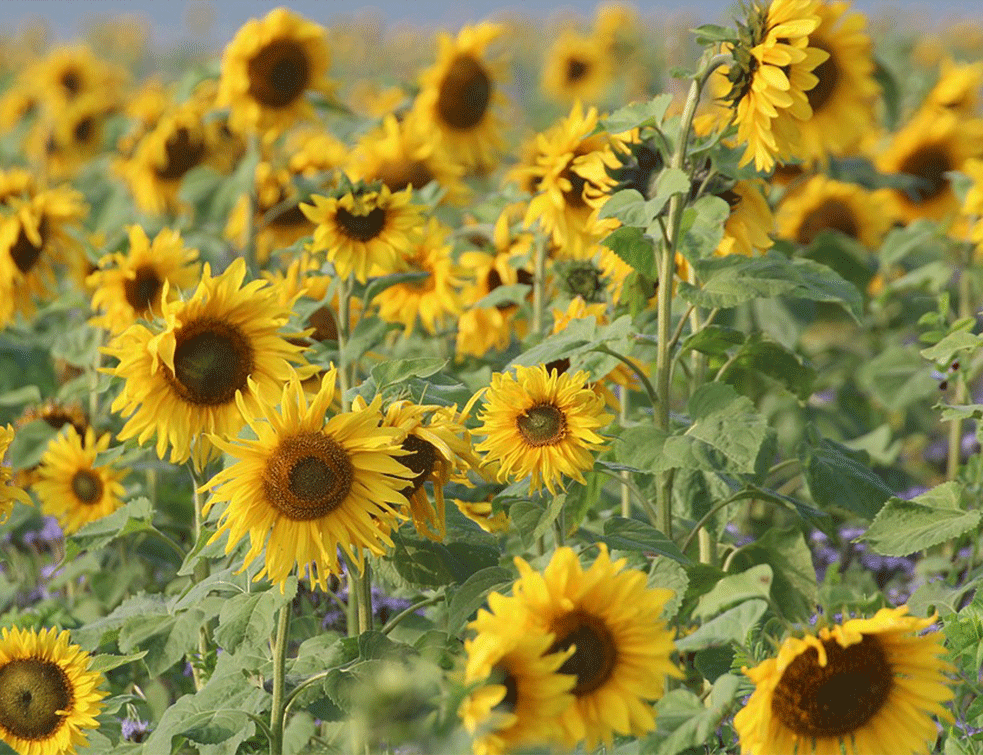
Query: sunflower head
{"points": [[48, 694]]}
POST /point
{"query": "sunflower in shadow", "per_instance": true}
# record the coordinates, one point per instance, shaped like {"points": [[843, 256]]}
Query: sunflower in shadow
{"points": [[268, 69], [71, 486], [365, 228], [49, 693], [310, 484], [869, 685], [460, 95], [182, 373], [541, 425], [128, 287]]}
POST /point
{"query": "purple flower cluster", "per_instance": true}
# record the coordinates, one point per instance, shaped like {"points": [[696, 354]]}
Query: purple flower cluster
{"points": [[134, 730], [384, 607], [885, 569]]}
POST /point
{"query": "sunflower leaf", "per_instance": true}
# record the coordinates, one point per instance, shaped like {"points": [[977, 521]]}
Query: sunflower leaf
{"points": [[838, 476], [635, 248], [703, 227], [248, 618], [637, 115], [730, 626], [634, 535], [398, 370], [135, 516], [470, 596]]}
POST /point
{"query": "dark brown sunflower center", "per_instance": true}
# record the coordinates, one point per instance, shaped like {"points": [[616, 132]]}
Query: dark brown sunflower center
{"points": [[71, 82], [279, 74], [142, 290], [511, 698], [31, 691], [828, 73], [84, 130], [397, 176], [831, 215], [838, 698], [576, 69], [542, 425], [420, 462], [184, 152], [574, 197], [361, 227], [23, 252], [929, 164], [596, 655], [292, 217], [731, 197], [307, 476], [464, 94], [325, 326], [560, 365], [212, 360], [87, 486]]}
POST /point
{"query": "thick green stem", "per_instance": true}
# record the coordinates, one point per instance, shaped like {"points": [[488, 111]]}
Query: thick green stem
{"points": [[364, 584], [626, 475], [961, 394], [344, 365], [200, 573], [278, 708]]}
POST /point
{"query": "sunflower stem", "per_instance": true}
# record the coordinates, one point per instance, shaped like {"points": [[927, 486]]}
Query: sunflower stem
{"points": [[199, 575], [538, 285], [344, 308], [625, 475], [278, 708], [364, 585], [961, 395], [249, 251]]}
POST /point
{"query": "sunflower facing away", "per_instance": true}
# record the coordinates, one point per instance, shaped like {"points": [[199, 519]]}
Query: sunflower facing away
{"points": [[128, 287], [521, 691], [70, 485], [268, 68], [182, 375], [363, 229], [541, 425], [771, 73], [871, 685], [48, 694], [611, 618], [309, 485], [823, 204], [460, 95], [8, 491]]}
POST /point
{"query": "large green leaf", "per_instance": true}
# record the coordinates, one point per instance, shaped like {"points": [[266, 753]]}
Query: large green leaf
{"points": [[898, 377], [840, 477], [249, 618], [785, 553], [730, 626]]}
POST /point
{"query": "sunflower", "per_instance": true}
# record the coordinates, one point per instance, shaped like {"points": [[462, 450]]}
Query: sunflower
{"points": [[771, 73], [56, 415], [70, 485], [314, 151], [460, 95], [71, 137], [520, 691], [750, 220], [611, 618], [481, 513], [406, 153], [434, 298], [17, 184], [364, 229], [823, 204], [541, 425], [48, 693], [844, 98], [309, 485], [70, 73], [18, 103], [958, 88], [277, 221], [482, 329], [34, 237], [572, 182], [182, 376], [870, 685], [269, 67], [129, 287], [930, 145], [8, 492], [577, 68], [438, 450]]}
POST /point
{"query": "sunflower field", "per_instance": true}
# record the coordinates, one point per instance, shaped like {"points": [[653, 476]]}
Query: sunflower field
{"points": [[602, 386]]}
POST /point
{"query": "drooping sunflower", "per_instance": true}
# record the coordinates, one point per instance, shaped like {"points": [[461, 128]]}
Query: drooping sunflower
{"points": [[823, 204], [309, 484], [438, 450], [572, 183], [433, 299], [577, 68], [70, 485], [541, 425], [460, 95], [182, 374], [8, 491], [846, 94], [521, 691], [34, 238], [482, 329], [622, 647], [277, 220], [268, 68], [407, 153], [958, 88], [129, 287], [48, 693], [363, 229], [771, 73], [871, 685], [750, 221], [930, 145]]}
